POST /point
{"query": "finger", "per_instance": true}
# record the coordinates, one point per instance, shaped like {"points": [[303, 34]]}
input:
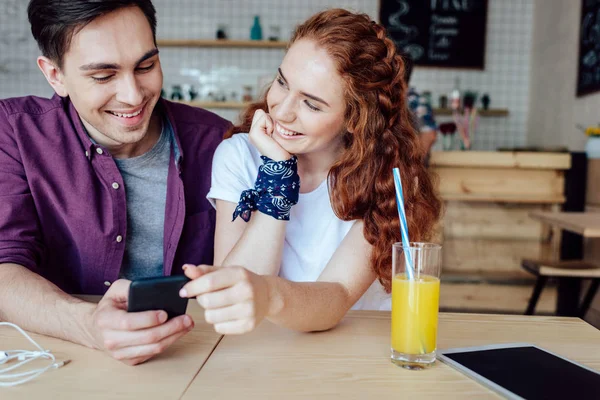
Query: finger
{"points": [[118, 291], [115, 340], [136, 361], [147, 350], [235, 327], [260, 123], [243, 310], [269, 125], [238, 293], [195, 272], [120, 320], [257, 115], [218, 279]]}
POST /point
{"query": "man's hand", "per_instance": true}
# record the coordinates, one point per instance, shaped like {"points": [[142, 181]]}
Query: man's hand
{"points": [[132, 337], [234, 299]]}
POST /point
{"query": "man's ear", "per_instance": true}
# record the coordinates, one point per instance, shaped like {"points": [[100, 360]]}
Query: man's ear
{"points": [[53, 75]]}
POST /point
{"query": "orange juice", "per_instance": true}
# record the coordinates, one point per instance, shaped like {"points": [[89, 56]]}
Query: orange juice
{"points": [[415, 305]]}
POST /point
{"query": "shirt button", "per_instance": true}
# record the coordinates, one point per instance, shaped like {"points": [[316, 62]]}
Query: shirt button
{"points": [[115, 185], [87, 153], [106, 283], [119, 239], [99, 150]]}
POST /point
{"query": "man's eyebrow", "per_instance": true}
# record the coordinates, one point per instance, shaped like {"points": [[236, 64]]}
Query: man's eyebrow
{"points": [[100, 66], [310, 96], [149, 54]]}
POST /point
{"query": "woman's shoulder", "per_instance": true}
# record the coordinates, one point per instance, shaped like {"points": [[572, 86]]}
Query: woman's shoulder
{"points": [[239, 140], [238, 148], [238, 144]]}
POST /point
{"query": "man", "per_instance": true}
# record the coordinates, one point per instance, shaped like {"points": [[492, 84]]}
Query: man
{"points": [[104, 181]]}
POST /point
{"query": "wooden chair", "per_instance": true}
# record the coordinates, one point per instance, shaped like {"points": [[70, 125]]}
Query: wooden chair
{"points": [[562, 269]]}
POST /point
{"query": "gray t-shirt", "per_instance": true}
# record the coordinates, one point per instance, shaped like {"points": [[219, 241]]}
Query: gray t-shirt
{"points": [[145, 179]]}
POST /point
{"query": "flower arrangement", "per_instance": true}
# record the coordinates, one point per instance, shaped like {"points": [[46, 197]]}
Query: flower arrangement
{"points": [[593, 131], [448, 129], [466, 123], [592, 147]]}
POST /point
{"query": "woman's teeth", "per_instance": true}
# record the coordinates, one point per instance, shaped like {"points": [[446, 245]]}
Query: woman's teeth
{"points": [[135, 114], [286, 132]]}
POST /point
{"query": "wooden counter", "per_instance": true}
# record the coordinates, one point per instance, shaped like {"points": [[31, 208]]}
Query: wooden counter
{"points": [[487, 230], [592, 246]]}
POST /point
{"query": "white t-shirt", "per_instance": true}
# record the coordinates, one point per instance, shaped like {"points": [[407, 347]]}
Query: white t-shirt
{"points": [[313, 232]]}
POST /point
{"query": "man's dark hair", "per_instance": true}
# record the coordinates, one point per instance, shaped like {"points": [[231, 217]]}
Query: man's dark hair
{"points": [[54, 22]]}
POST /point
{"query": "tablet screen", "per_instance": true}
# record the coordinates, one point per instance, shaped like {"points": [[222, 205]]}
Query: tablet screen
{"points": [[532, 373]]}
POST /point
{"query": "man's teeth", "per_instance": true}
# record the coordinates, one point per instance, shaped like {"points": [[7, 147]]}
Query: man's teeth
{"points": [[135, 114], [285, 132]]}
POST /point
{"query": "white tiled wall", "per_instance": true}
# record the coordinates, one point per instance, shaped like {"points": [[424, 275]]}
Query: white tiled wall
{"points": [[555, 111], [506, 76], [19, 74]]}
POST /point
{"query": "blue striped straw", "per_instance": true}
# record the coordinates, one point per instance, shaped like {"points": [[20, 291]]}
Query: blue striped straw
{"points": [[403, 225]]}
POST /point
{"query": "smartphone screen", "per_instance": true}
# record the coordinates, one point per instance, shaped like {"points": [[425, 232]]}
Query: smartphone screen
{"points": [[531, 373]]}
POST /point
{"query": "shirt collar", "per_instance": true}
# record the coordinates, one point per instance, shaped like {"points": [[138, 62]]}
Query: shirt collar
{"points": [[88, 145], [178, 150]]}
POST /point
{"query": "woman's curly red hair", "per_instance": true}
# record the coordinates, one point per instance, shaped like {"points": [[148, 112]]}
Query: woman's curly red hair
{"points": [[380, 135]]}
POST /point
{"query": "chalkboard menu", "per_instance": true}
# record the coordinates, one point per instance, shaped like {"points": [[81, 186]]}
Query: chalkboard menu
{"points": [[588, 77], [440, 33]]}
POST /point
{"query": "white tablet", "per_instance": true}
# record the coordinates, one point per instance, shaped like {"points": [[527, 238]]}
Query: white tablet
{"points": [[525, 371]]}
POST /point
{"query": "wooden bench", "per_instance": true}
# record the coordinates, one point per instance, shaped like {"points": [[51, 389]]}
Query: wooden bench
{"points": [[562, 270]]}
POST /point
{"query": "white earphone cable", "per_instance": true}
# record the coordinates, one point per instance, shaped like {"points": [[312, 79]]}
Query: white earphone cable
{"points": [[24, 357]]}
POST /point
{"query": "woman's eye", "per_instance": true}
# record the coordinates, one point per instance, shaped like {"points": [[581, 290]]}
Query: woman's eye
{"points": [[311, 106]]}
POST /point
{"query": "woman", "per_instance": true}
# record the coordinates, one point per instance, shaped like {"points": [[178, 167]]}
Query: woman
{"points": [[335, 120]]}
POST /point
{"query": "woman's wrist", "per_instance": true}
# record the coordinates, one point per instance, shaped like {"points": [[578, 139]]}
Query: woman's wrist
{"points": [[276, 190], [276, 299]]}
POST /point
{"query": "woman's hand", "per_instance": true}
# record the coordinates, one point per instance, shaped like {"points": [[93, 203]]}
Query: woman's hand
{"points": [[261, 136], [234, 299]]}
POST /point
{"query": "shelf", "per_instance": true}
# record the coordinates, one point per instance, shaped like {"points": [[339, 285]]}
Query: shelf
{"points": [[500, 198], [226, 43], [229, 105], [492, 112], [233, 105]]}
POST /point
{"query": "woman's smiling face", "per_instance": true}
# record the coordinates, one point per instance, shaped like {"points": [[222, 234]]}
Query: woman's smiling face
{"points": [[306, 101]]}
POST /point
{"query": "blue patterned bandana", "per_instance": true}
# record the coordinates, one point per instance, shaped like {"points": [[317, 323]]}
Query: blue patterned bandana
{"points": [[276, 190]]}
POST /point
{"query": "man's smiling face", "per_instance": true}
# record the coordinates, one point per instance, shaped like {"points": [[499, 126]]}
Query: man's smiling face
{"points": [[112, 74]]}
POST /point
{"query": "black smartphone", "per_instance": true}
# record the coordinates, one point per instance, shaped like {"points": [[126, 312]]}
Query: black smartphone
{"points": [[160, 293]]}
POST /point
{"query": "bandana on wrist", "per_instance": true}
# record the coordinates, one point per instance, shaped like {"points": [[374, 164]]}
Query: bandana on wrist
{"points": [[276, 190]]}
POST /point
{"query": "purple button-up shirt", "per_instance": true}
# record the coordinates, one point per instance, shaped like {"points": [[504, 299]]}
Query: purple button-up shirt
{"points": [[63, 210]]}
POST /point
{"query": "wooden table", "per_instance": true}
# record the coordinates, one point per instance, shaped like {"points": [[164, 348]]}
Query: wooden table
{"points": [[93, 375], [586, 224], [349, 362], [353, 360]]}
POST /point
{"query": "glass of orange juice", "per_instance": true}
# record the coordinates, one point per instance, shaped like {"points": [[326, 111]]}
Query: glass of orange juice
{"points": [[415, 304]]}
